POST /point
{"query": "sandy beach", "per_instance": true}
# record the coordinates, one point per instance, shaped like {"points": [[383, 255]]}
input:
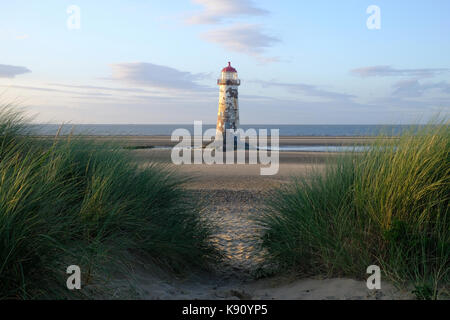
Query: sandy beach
{"points": [[234, 195], [158, 141]]}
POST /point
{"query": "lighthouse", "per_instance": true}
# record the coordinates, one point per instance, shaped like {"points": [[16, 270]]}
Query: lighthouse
{"points": [[228, 115]]}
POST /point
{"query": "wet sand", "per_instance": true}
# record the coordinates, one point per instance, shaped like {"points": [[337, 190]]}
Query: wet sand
{"points": [[234, 195], [159, 141]]}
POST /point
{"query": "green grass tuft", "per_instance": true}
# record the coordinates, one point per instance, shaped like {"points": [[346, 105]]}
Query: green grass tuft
{"points": [[387, 206], [78, 202]]}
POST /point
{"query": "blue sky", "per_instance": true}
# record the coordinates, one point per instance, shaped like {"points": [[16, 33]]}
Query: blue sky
{"points": [[300, 62]]}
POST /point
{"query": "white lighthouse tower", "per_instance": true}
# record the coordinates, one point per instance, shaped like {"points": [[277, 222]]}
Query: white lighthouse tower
{"points": [[228, 115]]}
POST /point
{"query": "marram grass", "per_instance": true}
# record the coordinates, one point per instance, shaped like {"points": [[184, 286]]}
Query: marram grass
{"points": [[386, 206], [77, 202]]}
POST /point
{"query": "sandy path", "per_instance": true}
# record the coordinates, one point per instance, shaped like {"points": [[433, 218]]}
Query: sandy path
{"points": [[234, 194], [231, 213]]}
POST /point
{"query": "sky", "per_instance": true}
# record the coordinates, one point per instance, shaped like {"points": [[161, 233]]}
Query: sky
{"points": [[300, 62]]}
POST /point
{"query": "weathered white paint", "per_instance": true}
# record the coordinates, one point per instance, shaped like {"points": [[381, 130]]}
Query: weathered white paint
{"points": [[228, 114]]}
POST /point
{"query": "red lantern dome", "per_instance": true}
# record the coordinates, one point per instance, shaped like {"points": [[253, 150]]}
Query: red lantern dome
{"points": [[229, 68]]}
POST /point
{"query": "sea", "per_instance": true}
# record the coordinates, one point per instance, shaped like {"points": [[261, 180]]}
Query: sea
{"points": [[167, 129]]}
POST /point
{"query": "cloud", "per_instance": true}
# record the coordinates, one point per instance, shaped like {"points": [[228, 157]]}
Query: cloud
{"points": [[90, 87], [7, 71], [157, 76], [22, 37], [55, 90], [245, 38], [306, 89], [215, 11], [240, 37], [413, 88], [388, 71]]}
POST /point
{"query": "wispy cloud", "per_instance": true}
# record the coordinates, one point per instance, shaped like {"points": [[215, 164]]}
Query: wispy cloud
{"points": [[216, 11], [22, 37], [306, 90], [156, 76], [46, 89], [414, 88], [244, 38], [8, 71], [388, 71], [91, 87], [240, 37]]}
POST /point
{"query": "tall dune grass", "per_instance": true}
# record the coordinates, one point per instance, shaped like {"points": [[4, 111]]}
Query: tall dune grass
{"points": [[78, 202], [387, 206]]}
